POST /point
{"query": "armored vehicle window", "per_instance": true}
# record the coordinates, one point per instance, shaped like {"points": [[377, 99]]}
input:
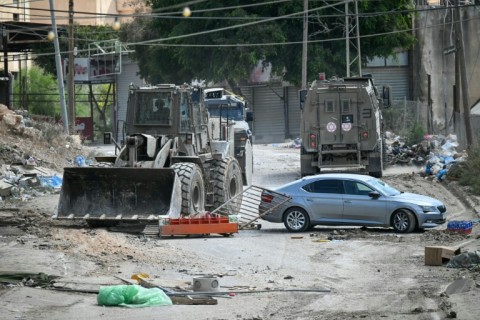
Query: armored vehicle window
{"points": [[184, 112], [325, 186], [345, 106], [329, 106], [153, 108]]}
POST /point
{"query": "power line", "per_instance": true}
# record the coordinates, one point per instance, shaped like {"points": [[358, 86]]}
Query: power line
{"points": [[152, 41]]}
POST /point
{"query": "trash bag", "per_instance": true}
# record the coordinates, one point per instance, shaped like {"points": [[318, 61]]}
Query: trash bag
{"points": [[465, 260], [80, 161], [132, 296], [54, 182]]}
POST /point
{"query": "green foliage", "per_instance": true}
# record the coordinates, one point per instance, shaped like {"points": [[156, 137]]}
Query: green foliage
{"points": [[416, 134], [102, 110], [466, 172], [40, 93], [271, 33]]}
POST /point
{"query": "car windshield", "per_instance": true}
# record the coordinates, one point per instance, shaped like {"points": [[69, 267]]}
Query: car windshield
{"points": [[233, 112], [383, 187]]}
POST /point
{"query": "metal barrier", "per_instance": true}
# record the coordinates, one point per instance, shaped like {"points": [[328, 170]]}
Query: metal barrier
{"points": [[247, 207]]}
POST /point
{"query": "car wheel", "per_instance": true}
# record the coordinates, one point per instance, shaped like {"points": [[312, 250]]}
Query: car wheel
{"points": [[403, 221], [296, 220]]}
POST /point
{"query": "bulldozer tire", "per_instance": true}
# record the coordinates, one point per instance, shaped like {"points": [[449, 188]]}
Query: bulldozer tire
{"points": [[227, 183], [193, 187]]}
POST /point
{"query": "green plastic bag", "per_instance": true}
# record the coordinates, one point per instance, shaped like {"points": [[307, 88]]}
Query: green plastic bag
{"points": [[132, 296]]}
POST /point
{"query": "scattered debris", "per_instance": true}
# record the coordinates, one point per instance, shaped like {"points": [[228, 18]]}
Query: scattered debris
{"points": [[437, 255], [436, 153], [465, 260], [27, 279]]}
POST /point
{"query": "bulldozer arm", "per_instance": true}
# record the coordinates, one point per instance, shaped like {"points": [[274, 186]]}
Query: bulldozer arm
{"points": [[117, 193]]}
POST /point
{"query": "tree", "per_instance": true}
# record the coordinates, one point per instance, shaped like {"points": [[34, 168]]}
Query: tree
{"points": [[38, 93], [271, 33]]}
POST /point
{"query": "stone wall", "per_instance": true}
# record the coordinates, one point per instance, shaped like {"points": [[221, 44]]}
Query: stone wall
{"points": [[435, 35]]}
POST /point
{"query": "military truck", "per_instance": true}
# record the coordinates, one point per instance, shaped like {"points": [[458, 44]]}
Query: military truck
{"points": [[176, 161], [229, 107], [341, 126]]}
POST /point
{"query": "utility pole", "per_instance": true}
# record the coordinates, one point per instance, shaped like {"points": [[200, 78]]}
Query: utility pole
{"points": [[58, 64], [359, 53], [463, 74], [304, 44], [347, 37], [71, 69], [357, 37]]}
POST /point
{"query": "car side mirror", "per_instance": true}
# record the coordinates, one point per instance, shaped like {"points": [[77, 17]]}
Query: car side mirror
{"points": [[374, 194]]}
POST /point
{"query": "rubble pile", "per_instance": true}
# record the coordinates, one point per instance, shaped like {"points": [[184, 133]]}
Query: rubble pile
{"points": [[31, 158], [436, 154]]}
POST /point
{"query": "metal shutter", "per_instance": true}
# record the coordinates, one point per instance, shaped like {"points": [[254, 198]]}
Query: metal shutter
{"points": [[294, 113], [269, 121], [395, 77]]}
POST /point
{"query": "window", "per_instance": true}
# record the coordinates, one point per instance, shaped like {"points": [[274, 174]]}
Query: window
{"points": [[184, 112], [345, 106], [16, 17], [152, 108], [356, 188], [325, 186], [329, 106]]}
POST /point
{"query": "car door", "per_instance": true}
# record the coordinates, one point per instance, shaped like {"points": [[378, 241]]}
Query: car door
{"points": [[324, 199], [359, 207]]}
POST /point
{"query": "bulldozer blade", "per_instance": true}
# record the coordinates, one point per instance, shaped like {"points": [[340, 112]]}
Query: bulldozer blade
{"points": [[116, 193]]}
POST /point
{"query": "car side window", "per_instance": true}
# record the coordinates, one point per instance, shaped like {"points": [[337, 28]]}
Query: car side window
{"points": [[325, 186], [356, 188]]}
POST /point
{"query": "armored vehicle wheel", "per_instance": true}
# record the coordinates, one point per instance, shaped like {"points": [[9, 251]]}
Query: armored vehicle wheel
{"points": [[193, 187], [227, 179]]}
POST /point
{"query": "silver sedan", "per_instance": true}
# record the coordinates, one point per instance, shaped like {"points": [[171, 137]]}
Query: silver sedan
{"points": [[353, 200]]}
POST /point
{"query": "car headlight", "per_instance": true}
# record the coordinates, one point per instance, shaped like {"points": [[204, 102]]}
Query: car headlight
{"points": [[428, 208]]}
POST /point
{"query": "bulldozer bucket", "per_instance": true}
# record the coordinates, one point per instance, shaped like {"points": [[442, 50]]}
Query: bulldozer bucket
{"points": [[116, 193]]}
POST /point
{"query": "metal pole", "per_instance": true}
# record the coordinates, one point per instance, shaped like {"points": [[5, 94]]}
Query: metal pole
{"points": [[359, 52], [5, 63], [58, 63], [71, 69], [304, 44], [463, 74], [347, 38]]}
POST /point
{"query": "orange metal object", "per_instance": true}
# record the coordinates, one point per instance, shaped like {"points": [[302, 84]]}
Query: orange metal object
{"points": [[198, 226]]}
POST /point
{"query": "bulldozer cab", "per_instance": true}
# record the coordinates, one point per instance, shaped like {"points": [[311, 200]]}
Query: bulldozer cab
{"points": [[163, 110], [154, 108]]}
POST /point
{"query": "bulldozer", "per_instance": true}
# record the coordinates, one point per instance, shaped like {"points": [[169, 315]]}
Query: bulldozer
{"points": [[174, 161]]}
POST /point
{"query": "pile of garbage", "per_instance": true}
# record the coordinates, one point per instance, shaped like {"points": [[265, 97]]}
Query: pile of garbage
{"points": [[436, 154], [23, 181]]}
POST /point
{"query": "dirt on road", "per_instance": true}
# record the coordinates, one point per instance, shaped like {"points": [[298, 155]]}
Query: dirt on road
{"points": [[372, 273]]}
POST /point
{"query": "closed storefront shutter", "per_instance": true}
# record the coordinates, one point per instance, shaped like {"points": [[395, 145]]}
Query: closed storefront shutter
{"points": [[269, 123], [395, 77], [294, 113]]}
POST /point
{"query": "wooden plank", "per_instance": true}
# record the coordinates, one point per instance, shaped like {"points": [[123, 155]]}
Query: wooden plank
{"points": [[194, 301]]}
